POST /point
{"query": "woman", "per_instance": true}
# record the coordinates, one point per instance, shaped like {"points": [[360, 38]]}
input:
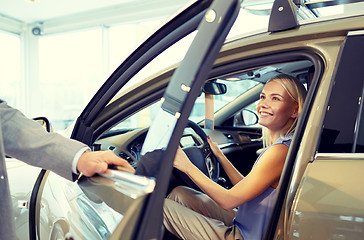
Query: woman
{"points": [[190, 214]]}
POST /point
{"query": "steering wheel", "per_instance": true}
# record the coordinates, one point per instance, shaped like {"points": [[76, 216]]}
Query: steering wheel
{"points": [[202, 157]]}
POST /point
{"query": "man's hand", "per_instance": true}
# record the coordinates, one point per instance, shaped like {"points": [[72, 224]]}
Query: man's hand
{"points": [[91, 163]]}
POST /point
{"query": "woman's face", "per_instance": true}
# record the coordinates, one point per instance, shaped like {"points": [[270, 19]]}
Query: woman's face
{"points": [[276, 109]]}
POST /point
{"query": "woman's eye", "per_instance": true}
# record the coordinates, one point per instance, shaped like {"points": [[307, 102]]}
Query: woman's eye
{"points": [[276, 99], [262, 97]]}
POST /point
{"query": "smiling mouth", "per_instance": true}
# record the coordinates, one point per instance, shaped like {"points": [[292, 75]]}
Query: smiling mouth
{"points": [[265, 114]]}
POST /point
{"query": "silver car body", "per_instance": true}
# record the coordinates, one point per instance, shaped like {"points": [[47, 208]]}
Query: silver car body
{"points": [[320, 194]]}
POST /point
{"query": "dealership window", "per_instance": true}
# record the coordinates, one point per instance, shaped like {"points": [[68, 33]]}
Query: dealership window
{"points": [[74, 65], [125, 38], [10, 69], [70, 72]]}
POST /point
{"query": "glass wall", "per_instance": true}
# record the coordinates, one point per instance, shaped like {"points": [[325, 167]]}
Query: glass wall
{"points": [[72, 66], [10, 69], [70, 72], [125, 38]]}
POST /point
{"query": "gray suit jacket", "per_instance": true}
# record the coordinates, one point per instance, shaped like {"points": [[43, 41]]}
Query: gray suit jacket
{"points": [[26, 140]]}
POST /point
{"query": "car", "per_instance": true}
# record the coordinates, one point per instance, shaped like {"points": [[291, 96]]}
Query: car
{"points": [[142, 113]]}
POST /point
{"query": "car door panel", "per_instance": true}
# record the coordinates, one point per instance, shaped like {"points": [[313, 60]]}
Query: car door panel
{"points": [[329, 203], [339, 96], [94, 208]]}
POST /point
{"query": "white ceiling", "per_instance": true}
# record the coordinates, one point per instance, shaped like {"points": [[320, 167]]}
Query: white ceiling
{"points": [[26, 12]]}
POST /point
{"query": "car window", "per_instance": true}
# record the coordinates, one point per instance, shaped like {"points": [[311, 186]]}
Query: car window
{"points": [[237, 84], [163, 61], [140, 119], [234, 90], [143, 118], [343, 124], [359, 138]]}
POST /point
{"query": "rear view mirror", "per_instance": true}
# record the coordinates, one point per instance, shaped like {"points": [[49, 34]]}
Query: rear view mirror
{"points": [[214, 88], [44, 122]]}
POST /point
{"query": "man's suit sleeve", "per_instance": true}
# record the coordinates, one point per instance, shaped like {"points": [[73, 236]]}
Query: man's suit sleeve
{"points": [[26, 140]]}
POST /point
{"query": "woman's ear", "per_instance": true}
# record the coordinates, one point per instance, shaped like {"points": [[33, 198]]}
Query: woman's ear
{"points": [[295, 112]]}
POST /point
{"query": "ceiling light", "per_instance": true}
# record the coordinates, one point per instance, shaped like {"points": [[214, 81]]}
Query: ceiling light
{"points": [[32, 1]]}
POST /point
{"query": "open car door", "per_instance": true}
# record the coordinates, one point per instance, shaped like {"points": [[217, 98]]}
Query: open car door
{"points": [[181, 93]]}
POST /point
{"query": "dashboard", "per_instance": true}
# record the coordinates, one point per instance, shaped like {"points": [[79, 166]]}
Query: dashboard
{"points": [[135, 148], [128, 144]]}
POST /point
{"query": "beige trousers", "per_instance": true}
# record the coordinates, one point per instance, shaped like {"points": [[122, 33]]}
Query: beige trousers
{"points": [[190, 214]]}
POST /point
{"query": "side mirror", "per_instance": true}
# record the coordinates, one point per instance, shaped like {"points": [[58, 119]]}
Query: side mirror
{"points": [[44, 122], [245, 118], [214, 88]]}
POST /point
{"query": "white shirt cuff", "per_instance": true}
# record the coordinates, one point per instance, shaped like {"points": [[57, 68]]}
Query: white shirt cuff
{"points": [[77, 157]]}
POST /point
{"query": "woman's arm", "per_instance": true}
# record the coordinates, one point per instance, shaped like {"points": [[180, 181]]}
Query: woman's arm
{"points": [[266, 173]]}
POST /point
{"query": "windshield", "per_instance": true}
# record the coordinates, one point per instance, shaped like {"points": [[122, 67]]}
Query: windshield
{"points": [[234, 90], [144, 117]]}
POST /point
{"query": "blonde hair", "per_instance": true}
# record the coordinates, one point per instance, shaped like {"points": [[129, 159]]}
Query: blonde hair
{"points": [[297, 92]]}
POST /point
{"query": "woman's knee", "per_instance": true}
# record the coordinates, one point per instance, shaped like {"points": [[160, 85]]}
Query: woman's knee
{"points": [[182, 194], [167, 207], [179, 192]]}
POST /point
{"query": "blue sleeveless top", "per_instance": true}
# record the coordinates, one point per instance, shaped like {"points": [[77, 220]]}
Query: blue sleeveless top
{"points": [[253, 216]]}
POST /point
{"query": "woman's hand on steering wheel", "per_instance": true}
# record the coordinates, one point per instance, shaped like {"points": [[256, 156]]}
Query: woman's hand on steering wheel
{"points": [[214, 148], [197, 155]]}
